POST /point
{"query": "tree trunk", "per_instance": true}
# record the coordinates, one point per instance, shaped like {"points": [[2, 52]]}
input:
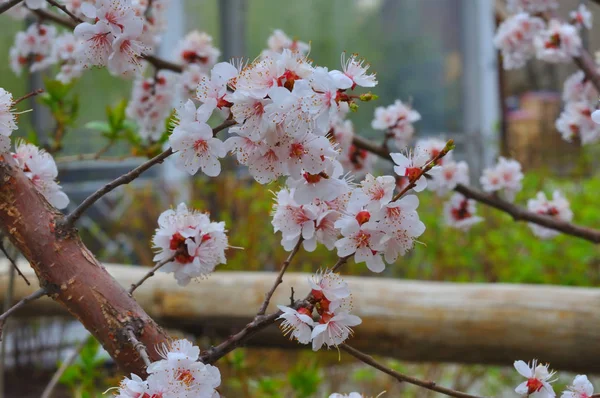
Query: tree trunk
{"points": [[72, 275]]}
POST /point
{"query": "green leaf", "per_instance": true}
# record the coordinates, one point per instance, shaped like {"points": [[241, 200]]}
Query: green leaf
{"points": [[71, 375], [98, 126]]}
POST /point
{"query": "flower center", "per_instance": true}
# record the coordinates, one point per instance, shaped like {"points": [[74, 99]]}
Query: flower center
{"points": [[534, 385], [200, 146], [413, 173], [185, 376], [296, 150]]}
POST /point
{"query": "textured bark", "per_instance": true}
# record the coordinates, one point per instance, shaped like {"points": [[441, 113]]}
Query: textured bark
{"points": [[72, 274]]}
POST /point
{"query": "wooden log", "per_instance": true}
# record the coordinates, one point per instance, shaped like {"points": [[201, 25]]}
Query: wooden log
{"points": [[409, 320]]}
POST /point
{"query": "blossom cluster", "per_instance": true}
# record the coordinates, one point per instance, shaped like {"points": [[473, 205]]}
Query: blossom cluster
{"points": [[283, 107], [8, 122], [332, 306], [504, 177], [115, 33], [575, 121], [40, 168], [523, 35], [558, 207], [194, 244], [178, 374], [539, 378], [360, 221], [150, 104], [397, 121]]}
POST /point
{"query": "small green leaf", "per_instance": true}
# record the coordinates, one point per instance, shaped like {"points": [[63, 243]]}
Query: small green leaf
{"points": [[98, 126]]}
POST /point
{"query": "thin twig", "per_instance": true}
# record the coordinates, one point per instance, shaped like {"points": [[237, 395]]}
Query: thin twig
{"points": [[521, 214], [126, 178], [140, 347], [432, 162], [518, 213], [340, 262], [8, 5], [7, 300], [61, 370], [13, 262], [158, 266], [65, 10], [41, 292], [279, 279], [430, 385], [26, 96]]}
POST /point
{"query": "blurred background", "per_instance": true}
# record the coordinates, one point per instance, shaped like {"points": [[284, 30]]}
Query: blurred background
{"points": [[437, 55]]}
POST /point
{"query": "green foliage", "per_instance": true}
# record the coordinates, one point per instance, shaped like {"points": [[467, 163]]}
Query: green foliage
{"points": [[305, 378], [63, 104], [84, 375]]}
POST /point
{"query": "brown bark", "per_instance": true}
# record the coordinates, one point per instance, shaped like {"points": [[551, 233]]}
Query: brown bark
{"points": [[71, 273]]}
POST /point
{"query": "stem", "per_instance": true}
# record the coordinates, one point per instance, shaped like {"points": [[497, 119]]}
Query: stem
{"points": [[41, 292], [279, 279], [424, 169], [140, 347], [158, 266], [26, 96], [124, 179], [61, 370], [13, 262], [65, 10], [430, 385], [8, 5]]}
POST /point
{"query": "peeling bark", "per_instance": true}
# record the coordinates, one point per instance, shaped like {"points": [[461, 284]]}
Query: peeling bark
{"points": [[71, 273]]}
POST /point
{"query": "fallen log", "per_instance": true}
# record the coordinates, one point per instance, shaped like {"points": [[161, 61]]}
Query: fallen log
{"points": [[408, 320]]}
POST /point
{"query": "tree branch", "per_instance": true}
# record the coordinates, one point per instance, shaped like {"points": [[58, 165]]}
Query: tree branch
{"points": [[64, 9], [518, 213], [586, 63], [8, 5], [73, 276], [124, 179], [151, 273], [13, 262], [429, 385], [41, 292], [279, 279], [139, 346]]}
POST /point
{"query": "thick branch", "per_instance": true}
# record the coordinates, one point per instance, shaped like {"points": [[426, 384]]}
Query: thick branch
{"points": [[429, 385], [518, 213], [8, 5], [70, 272]]}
